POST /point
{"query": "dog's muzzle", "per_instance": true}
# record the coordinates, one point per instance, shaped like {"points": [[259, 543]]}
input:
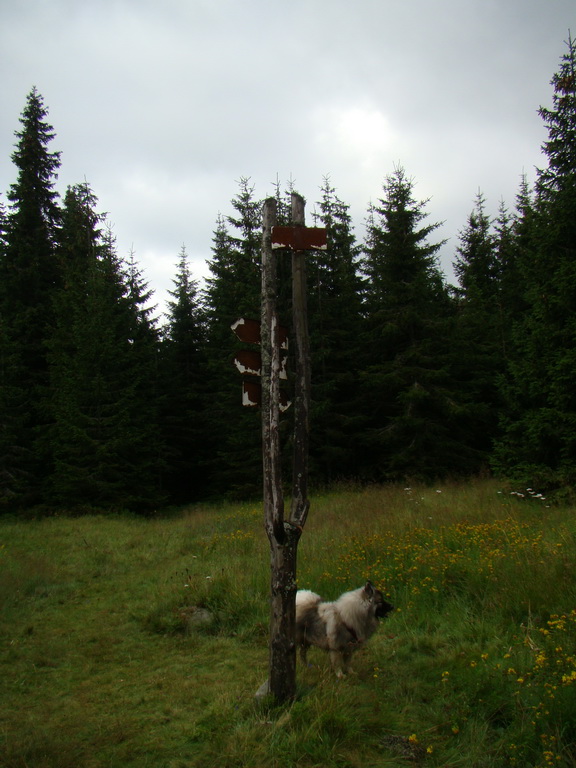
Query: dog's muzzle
{"points": [[383, 610]]}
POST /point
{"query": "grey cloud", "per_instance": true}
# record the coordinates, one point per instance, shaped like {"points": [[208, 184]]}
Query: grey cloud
{"points": [[162, 107]]}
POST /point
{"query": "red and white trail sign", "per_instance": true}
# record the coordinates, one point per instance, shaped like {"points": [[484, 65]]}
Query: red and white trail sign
{"points": [[248, 331], [249, 362], [299, 238], [252, 395]]}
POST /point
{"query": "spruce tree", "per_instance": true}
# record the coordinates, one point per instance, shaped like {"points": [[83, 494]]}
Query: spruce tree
{"points": [[334, 320], [475, 265], [507, 278], [478, 344], [29, 270], [102, 371], [147, 462], [412, 416], [524, 230], [10, 424], [75, 352], [185, 422], [14, 414], [233, 291], [29, 276], [539, 442]]}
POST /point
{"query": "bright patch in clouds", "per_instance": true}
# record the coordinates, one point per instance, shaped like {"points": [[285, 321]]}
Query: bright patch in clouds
{"points": [[363, 133]]}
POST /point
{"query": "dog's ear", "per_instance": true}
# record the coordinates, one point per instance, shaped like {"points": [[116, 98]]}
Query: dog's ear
{"points": [[369, 589]]}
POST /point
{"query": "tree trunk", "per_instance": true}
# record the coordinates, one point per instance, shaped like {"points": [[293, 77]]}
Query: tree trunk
{"points": [[300, 503], [283, 535]]}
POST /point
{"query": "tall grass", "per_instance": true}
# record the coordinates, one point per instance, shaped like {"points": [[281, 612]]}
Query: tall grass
{"points": [[103, 664]]}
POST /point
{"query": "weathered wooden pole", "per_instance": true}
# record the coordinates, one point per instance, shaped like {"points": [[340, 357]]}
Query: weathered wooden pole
{"points": [[282, 535], [270, 379], [302, 384]]}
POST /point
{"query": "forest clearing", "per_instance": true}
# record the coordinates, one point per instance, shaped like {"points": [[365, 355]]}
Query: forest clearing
{"points": [[104, 665]]}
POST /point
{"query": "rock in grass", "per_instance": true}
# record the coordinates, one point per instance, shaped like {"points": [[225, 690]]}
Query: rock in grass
{"points": [[263, 691], [195, 617]]}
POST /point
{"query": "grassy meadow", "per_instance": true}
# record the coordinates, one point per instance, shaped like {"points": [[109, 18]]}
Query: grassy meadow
{"points": [[102, 665]]}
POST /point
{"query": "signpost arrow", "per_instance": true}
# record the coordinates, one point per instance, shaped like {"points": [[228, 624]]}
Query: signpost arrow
{"points": [[249, 362], [252, 395], [299, 238], [248, 331]]}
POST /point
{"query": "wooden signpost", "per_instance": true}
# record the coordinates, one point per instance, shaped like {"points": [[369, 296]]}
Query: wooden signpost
{"points": [[283, 530]]}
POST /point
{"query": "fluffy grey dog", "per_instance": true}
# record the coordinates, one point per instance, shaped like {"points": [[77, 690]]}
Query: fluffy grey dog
{"points": [[340, 627]]}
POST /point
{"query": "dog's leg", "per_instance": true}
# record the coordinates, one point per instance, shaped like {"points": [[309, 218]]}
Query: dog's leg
{"points": [[303, 654], [346, 658], [337, 663]]}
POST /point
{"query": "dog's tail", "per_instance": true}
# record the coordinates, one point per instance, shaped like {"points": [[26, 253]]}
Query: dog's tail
{"points": [[305, 600]]}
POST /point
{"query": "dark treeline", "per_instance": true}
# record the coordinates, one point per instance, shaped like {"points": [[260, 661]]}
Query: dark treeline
{"points": [[102, 407]]}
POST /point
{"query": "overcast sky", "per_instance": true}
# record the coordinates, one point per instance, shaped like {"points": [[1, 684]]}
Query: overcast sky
{"points": [[163, 106]]}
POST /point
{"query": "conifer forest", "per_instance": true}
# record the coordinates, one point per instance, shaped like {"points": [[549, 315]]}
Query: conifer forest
{"points": [[104, 407]]}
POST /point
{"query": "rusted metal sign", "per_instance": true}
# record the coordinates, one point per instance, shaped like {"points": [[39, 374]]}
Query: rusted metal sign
{"points": [[248, 331], [299, 238], [252, 395], [249, 361]]}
